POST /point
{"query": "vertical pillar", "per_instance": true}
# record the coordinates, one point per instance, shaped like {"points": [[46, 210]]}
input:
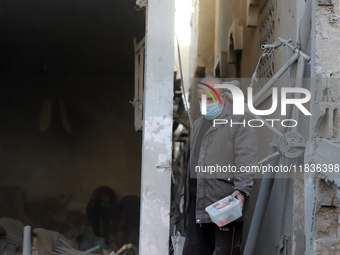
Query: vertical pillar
{"points": [[26, 245], [157, 128]]}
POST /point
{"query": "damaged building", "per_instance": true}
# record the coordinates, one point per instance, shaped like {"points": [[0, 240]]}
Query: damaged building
{"points": [[67, 73], [255, 41]]}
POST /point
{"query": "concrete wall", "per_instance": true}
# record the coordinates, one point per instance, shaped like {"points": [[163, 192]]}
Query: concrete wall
{"points": [[157, 128], [201, 56], [322, 190], [103, 148], [206, 35]]}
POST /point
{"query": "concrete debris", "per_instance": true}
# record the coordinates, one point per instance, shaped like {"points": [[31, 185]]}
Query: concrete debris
{"points": [[142, 3], [48, 241], [11, 232], [127, 249]]}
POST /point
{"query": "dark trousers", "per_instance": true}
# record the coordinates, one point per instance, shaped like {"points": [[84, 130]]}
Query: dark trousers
{"points": [[208, 238]]}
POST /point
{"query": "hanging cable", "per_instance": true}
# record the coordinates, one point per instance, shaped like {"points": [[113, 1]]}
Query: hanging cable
{"points": [[182, 83]]}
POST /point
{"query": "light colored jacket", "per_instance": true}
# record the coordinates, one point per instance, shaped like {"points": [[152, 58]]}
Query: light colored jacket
{"points": [[222, 145]]}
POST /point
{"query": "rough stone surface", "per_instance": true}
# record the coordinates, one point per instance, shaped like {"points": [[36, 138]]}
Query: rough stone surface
{"points": [[324, 2], [322, 212]]}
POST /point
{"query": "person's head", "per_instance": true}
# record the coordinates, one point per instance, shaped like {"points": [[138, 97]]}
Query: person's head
{"points": [[207, 87], [202, 88]]}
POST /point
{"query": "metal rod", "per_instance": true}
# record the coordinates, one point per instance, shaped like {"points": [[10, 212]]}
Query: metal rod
{"points": [[271, 157], [305, 25], [26, 246], [260, 211], [140, 45], [90, 250], [298, 84], [295, 49], [266, 124], [272, 81]]}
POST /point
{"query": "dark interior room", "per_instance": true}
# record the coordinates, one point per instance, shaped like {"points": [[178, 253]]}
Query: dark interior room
{"points": [[66, 118]]}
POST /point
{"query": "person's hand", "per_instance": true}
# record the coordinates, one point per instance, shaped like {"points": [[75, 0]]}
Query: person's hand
{"points": [[181, 204], [239, 196]]}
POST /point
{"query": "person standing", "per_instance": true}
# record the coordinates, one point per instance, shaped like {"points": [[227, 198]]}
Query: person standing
{"points": [[212, 145]]}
